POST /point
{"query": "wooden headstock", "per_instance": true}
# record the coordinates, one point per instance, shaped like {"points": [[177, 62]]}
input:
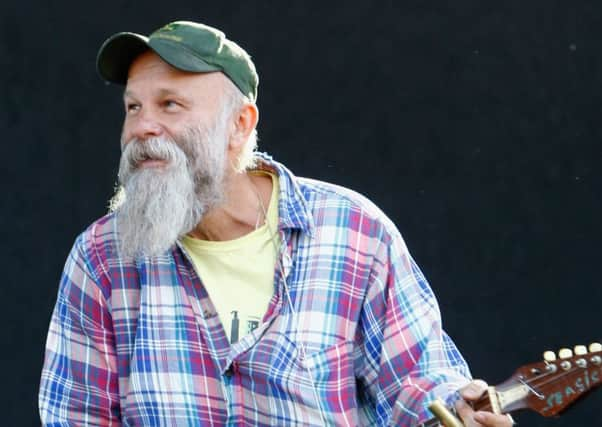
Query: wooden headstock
{"points": [[547, 387], [551, 386]]}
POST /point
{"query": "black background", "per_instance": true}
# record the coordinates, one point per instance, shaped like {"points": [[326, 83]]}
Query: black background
{"points": [[474, 125]]}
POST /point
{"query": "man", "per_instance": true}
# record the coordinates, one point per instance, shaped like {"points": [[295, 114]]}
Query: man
{"points": [[222, 289]]}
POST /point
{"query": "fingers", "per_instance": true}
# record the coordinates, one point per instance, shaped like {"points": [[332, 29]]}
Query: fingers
{"points": [[473, 390], [470, 418], [465, 412], [492, 420]]}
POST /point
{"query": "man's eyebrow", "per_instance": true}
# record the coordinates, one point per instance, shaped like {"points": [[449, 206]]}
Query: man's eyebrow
{"points": [[127, 94], [161, 92], [166, 92]]}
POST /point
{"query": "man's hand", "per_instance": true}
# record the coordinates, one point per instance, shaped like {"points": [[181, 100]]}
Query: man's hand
{"points": [[470, 418]]}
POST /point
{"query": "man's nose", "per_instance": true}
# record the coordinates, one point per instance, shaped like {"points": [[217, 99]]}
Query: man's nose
{"points": [[143, 127]]}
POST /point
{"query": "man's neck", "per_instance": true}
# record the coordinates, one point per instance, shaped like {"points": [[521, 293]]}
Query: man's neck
{"points": [[247, 199]]}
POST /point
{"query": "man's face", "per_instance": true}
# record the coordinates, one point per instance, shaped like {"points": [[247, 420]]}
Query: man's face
{"points": [[160, 100], [174, 160]]}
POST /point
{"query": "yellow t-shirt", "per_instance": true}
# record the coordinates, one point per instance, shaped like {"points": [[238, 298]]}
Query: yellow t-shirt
{"points": [[239, 274]]}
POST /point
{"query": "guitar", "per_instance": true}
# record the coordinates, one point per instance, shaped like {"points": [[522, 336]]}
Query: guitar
{"points": [[547, 387]]}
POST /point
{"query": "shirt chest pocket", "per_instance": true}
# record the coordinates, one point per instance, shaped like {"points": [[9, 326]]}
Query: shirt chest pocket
{"points": [[310, 389]]}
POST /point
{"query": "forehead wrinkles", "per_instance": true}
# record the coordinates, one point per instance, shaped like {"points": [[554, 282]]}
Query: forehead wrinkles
{"points": [[147, 66], [149, 74]]}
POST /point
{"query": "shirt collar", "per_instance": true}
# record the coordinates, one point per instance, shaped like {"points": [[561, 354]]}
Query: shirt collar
{"points": [[293, 211]]}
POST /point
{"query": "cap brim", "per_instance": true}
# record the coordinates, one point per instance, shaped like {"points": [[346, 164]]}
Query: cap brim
{"points": [[119, 51], [116, 55]]}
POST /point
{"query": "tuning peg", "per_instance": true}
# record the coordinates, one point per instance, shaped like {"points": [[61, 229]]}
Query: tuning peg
{"points": [[580, 350], [595, 347], [549, 356], [565, 353]]}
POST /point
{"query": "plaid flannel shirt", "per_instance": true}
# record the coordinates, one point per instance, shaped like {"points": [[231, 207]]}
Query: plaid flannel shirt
{"points": [[356, 340]]}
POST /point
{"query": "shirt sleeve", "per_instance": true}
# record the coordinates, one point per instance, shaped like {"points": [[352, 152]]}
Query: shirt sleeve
{"points": [[79, 382], [406, 359]]}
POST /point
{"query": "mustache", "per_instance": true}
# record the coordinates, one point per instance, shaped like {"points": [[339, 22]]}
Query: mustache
{"points": [[137, 151]]}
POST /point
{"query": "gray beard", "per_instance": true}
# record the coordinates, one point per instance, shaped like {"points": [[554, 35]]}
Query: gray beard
{"points": [[163, 204]]}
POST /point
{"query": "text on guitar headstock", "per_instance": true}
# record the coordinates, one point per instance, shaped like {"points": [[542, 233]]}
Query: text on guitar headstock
{"points": [[549, 387]]}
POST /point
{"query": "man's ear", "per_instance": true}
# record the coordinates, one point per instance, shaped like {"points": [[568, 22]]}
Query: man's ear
{"points": [[244, 122]]}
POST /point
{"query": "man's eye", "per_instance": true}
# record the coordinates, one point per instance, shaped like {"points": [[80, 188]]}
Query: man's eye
{"points": [[132, 108], [170, 104]]}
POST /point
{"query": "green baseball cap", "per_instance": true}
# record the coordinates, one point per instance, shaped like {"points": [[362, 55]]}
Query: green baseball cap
{"points": [[187, 46]]}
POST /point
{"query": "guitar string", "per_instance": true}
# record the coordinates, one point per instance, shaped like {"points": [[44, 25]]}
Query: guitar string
{"points": [[557, 376]]}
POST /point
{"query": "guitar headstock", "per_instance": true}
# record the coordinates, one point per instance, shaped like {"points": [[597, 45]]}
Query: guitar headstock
{"points": [[549, 387]]}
